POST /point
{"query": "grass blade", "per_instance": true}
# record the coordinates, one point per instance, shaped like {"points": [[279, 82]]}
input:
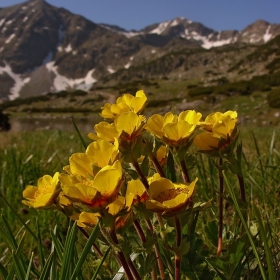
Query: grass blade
{"points": [[57, 245], [85, 251], [79, 134], [40, 249], [271, 273], [101, 263], [45, 272], [239, 212], [29, 267], [68, 253]]}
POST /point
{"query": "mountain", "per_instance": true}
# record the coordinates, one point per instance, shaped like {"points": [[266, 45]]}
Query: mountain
{"points": [[48, 49]]}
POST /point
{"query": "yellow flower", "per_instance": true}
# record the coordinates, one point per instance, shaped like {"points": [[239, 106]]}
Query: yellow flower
{"points": [[104, 130], [44, 194], [172, 129], [119, 204], [88, 219], [168, 198], [213, 118], [129, 125], [95, 192], [138, 190], [98, 154], [125, 103], [162, 154], [219, 134]]}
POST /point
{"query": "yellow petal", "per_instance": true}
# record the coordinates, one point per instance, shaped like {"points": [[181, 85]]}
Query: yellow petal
{"points": [[86, 219], [107, 179], [128, 122], [116, 206], [224, 126], [81, 192], [80, 164], [155, 125], [135, 187], [206, 141], [101, 153], [179, 130], [190, 116]]}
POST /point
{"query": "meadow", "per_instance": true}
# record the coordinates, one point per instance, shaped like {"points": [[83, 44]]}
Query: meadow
{"points": [[45, 244]]}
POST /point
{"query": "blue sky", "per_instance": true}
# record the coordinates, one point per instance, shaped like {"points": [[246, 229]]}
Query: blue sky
{"points": [[137, 14]]}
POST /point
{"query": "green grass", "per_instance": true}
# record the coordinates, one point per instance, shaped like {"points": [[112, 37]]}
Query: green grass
{"points": [[27, 156]]}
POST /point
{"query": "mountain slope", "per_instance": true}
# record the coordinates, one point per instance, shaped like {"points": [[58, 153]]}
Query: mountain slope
{"points": [[48, 49]]}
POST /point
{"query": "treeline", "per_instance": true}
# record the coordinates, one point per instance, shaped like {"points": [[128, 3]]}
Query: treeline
{"points": [[42, 98], [257, 83]]}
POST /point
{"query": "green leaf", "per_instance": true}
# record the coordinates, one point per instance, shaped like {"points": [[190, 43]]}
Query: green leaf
{"points": [[101, 263], [170, 168], [27, 276], [239, 212], [3, 271], [85, 251], [79, 134], [211, 231], [271, 272], [17, 260], [57, 244], [40, 249], [69, 250], [47, 267]]}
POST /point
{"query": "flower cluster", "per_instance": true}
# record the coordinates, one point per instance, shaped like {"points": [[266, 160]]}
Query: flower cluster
{"points": [[100, 184]]}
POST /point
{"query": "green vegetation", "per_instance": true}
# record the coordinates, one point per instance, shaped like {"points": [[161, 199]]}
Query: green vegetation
{"points": [[273, 98], [38, 246]]}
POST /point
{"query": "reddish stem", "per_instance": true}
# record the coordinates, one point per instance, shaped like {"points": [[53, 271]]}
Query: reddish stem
{"points": [[221, 216], [185, 172]]}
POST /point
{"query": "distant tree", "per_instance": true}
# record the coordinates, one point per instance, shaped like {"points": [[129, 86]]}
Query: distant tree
{"points": [[4, 122]]}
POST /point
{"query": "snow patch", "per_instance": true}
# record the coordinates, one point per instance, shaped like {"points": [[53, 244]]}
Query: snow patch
{"points": [[153, 51], [127, 65], [161, 27], [68, 48], [267, 36], [25, 19], [2, 21], [74, 52], [174, 22], [9, 22], [10, 38], [110, 69], [62, 83], [131, 58], [33, 10], [19, 82], [1, 49], [24, 8]]}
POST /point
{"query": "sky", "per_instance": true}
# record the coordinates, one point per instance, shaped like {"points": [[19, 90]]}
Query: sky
{"points": [[137, 14]]}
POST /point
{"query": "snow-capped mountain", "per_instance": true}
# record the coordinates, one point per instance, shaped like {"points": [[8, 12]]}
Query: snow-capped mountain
{"points": [[47, 49]]}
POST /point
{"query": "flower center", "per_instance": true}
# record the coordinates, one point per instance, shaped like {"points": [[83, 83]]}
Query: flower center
{"points": [[170, 194], [43, 190]]}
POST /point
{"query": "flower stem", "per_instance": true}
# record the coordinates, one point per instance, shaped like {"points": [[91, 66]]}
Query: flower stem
{"points": [[141, 175], [185, 172], [121, 257], [140, 231], [159, 260], [221, 200], [178, 243], [157, 165], [242, 187]]}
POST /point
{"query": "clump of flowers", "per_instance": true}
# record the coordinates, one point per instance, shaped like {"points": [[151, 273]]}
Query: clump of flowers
{"points": [[135, 172]]}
